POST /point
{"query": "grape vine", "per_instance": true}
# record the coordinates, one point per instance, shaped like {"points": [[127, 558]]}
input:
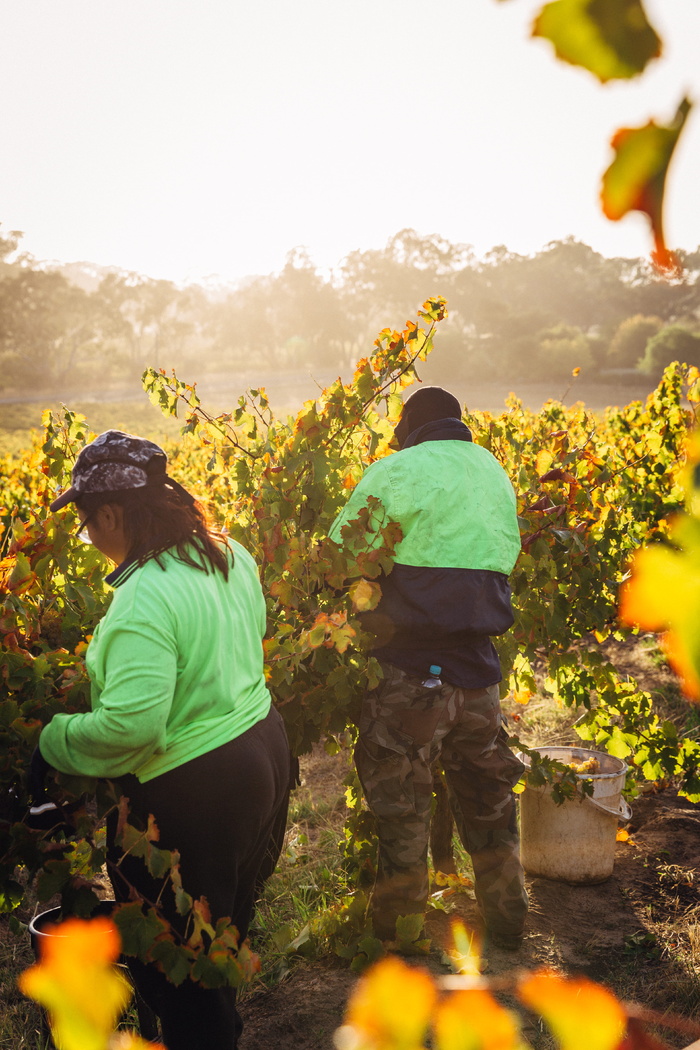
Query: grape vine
{"points": [[590, 490]]}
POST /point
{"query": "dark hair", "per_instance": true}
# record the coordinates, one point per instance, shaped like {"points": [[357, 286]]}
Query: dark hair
{"points": [[157, 519]]}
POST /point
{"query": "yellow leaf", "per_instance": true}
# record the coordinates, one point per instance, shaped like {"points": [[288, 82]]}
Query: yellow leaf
{"points": [[654, 443], [683, 657], [77, 983], [473, 1020], [581, 1014], [544, 460], [523, 696], [663, 594], [391, 1006], [624, 836], [466, 953], [365, 595], [658, 589], [453, 881]]}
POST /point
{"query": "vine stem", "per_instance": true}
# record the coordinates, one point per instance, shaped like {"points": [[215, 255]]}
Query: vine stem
{"points": [[389, 383]]}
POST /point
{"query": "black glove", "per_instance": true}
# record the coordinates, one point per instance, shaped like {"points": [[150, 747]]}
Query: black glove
{"points": [[38, 768], [44, 814]]}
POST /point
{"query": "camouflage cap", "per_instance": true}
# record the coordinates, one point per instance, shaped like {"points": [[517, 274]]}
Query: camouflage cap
{"points": [[114, 461]]}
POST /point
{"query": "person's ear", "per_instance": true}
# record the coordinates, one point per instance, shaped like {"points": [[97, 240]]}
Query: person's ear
{"points": [[110, 517]]}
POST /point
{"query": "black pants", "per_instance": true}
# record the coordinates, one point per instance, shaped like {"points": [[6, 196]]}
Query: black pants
{"points": [[226, 813]]}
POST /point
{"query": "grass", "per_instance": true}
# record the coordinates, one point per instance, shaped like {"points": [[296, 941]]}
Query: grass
{"points": [[20, 1019], [659, 965], [310, 876]]}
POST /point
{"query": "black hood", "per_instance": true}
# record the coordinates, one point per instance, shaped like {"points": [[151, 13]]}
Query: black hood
{"points": [[427, 405]]}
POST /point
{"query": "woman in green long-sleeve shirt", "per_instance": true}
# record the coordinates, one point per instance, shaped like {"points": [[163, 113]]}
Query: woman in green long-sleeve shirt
{"points": [[180, 719]]}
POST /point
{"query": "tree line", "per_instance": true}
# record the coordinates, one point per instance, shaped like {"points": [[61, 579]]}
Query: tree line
{"points": [[512, 317]]}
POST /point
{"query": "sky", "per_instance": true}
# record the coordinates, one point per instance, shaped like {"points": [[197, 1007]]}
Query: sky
{"points": [[190, 138]]}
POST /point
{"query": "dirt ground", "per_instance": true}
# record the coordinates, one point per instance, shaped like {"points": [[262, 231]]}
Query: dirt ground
{"points": [[638, 932], [610, 932]]}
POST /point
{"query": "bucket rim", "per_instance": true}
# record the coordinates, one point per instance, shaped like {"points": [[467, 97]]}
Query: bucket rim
{"points": [[583, 752], [53, 917]]}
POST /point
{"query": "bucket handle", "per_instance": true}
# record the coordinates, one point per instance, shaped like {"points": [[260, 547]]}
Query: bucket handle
{"points": [[623, 811]]}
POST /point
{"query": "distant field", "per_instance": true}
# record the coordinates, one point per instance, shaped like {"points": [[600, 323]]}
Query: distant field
{"points": [[286, 393], [17, 420], [491, 397]]}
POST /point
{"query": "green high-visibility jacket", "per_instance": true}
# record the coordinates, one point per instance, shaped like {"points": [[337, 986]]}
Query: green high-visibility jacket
{"points": [[176, 670], [448, 590]]}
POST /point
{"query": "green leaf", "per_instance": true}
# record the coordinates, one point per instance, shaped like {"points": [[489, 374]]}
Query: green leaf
{"points": [[611, 38], [409, 928], [79, 899], [138, 930], [174, 959], [617, 747], [301, 939], [53, 878], [10, 895], [208, 973], [635, 181]]}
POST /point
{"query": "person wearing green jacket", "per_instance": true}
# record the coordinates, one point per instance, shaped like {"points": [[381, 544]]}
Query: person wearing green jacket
{"points": [[181, 719], [446, 595]]}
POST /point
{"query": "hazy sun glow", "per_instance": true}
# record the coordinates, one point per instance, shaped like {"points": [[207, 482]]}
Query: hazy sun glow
{"points": [[191, 138]]}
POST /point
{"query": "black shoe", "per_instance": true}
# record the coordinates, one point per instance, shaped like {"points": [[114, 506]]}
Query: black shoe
{"points": [[507, 942]]}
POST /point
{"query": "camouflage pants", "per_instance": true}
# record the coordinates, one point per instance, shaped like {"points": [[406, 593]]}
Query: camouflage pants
{"points": [[404, 729]]}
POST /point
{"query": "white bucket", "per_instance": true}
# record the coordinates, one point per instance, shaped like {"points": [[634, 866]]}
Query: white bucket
{"points": [[575, 841]]}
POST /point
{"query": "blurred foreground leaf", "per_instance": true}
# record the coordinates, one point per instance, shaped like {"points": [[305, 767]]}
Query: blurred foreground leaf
{"points": [[663, 592], [664, 595], [390, 1008], [465, 956], [636, 179], [472, 1018], [582, 1015], [77, 983], [611, 38]]}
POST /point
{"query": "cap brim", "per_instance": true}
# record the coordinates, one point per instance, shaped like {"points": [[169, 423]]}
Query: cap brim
{"points": [[69, 496]]}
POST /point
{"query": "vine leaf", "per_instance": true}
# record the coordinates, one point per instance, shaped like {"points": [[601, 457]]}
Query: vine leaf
{"points": [[611, 38], [17, 575], [391, 1006], [473, 1018], [663, 594], [77, 983], [465, 956], [636, 179], [582, 1015], [365, 595]]}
